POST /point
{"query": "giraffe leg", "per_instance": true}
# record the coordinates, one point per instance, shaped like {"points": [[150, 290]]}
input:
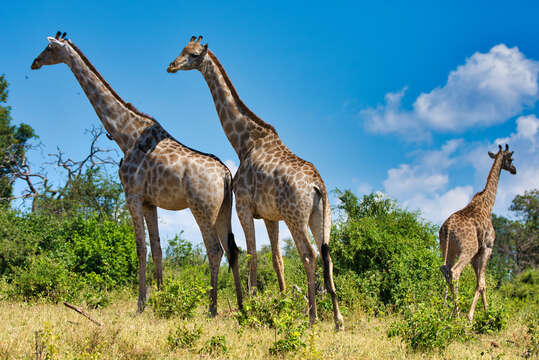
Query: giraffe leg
{"points": [[137, 215], [247, 223], [231, 250], [300, 234], [456, 270], [479, 263], [213, 250], [316, 225], [150, 214], [273, 233]]}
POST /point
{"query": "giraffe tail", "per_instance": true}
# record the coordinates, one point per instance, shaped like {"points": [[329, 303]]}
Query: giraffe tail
{"points": [[444, 247], [324, 248], [233, 249]]}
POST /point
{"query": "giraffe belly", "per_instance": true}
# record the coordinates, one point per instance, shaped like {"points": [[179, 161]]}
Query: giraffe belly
{"points": [[265, 207]]}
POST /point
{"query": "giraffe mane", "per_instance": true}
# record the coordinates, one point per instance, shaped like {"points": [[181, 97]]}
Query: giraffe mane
{"points": [[107, 85], [243, 108]]}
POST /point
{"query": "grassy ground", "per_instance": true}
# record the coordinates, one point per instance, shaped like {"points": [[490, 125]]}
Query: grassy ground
{"points": [[64, 334]]}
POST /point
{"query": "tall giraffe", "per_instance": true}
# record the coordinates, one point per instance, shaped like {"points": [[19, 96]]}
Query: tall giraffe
{"points": [[271, 183], [469, 234], [157, 170]]}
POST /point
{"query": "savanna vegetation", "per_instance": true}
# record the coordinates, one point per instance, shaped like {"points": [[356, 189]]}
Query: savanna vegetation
{"points": [[71, 240]]}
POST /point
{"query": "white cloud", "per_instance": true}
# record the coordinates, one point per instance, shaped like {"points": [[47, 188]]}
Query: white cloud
{"points": [[364, 189], [391, 118], [437, 207], [404, 180], [488, 89]]}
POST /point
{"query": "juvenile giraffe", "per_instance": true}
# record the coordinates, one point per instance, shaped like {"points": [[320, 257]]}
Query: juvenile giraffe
{"points": [[157, 170], [271, 183], [469, 233]]}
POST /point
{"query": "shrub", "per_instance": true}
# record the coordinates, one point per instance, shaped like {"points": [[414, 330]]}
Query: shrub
{"points": [[71, 258], [291, 326], [183, 337], [178, 298], [389, 249], [490, 321], [216, 345], [524, 286], [42, 278], [263, 309], [429, 326]]}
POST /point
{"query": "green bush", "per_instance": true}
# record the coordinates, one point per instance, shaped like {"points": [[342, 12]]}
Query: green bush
{"points": [[183, 337], [429, 326], [178, 297], [70, 258], [389, 249], [291, 325], [42, 278], [524, 286], [491, 321], [263, 309], [216, 345]]}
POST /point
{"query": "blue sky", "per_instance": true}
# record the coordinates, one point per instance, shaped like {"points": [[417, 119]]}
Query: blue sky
{"points": [[403, 98]]}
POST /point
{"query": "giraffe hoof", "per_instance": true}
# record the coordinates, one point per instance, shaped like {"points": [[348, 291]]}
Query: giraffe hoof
{"points": [[446, 273]]}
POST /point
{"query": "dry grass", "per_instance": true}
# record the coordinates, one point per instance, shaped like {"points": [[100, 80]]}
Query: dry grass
{"points": [[64, 334]]}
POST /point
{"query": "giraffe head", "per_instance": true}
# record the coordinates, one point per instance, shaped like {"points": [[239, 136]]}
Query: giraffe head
{"points": [[507, 158], [56, 52], [191, 56]]}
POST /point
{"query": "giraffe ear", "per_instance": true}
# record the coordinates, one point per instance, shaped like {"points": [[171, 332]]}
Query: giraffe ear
{"points": [[492, 155], [204, 49]]}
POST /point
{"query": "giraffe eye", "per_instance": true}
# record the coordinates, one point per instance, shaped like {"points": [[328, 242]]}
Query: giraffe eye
{"points": [[194, 55]]}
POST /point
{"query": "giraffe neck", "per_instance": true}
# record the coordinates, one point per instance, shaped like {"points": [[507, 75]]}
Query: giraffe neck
{"points": [[488, 195], [120, 120], [242, 127]]}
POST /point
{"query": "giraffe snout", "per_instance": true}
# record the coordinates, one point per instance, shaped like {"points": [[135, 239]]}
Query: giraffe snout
{"points": [[172, 68], [35, 64]]}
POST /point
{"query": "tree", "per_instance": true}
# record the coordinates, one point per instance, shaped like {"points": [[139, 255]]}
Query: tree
{"points": [[516, 247], [13, 145]]}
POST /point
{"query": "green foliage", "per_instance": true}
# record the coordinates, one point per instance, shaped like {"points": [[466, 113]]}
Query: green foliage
{"points": [[13, 145], [91, 192], [524, 286], [216, 345], [181, 252], [284, 312], [179, 297], [517, 241], [42, 277], [291, 325], [74, 258], [491, 321], [264, 309], [429, 326], [389, 249], [183, 337]]}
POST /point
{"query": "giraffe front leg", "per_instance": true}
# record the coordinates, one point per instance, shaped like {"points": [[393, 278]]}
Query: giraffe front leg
{"points": [[150, 214], [247, 223], [135, 208]]}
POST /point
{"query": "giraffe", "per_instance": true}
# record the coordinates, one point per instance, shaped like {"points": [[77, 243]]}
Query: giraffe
{"points": [[469, 234], [157, 170], [271, 182]]}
